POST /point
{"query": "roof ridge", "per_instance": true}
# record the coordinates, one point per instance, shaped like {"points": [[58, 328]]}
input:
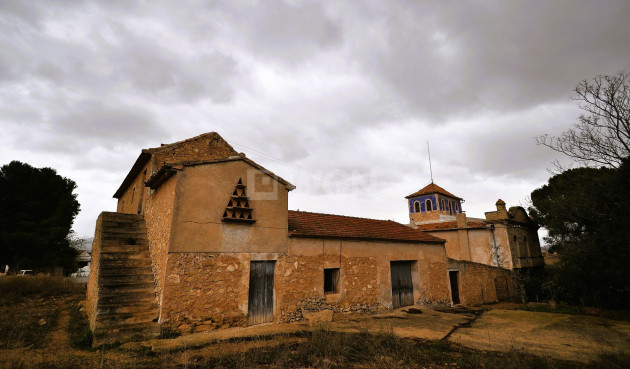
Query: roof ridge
{"points": [[212, 133], [432, 188]]}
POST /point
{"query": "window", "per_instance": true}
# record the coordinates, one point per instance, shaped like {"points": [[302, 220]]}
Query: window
{"points": [[331, 280], [428, 205], [416, 206], [450, 207], [515, 240], [443, 206]]}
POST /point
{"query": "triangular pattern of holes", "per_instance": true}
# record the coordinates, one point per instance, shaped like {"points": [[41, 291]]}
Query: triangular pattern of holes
{"points": [[238, 205]]}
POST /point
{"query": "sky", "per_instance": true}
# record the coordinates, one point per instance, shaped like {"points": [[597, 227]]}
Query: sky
{"points": [[338, 97]]}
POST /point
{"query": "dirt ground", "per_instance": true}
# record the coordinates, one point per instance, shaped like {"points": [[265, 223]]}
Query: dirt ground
{"points": [[568, 337], [562, 336]]}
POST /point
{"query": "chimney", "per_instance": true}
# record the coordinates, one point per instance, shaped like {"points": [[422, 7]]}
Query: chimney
{"points": [[461, 220], [501, 209]]}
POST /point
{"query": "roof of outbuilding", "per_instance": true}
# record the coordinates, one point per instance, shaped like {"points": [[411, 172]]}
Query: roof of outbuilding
{"points": [[316, 225], [432, 188]]}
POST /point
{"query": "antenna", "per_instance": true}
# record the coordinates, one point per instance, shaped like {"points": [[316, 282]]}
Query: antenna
{"points": [[430, 167]]}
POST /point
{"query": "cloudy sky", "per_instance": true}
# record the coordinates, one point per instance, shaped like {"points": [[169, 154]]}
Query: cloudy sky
{"points": [[339, 98]]}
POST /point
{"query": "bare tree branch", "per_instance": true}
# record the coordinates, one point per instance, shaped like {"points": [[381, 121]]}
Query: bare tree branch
{"points": [[602, 134]]}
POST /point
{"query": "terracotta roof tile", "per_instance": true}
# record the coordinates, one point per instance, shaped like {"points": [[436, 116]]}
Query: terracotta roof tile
{"points": [[438, 226], [432, 188], [304, 224]]}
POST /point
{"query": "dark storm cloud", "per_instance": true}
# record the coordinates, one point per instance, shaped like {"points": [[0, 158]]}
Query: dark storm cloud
{"points": [[446, 59], [94, 119], [350, 90], [288, 31]]}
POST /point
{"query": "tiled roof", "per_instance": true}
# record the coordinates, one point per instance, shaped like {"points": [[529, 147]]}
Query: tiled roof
{"points": [[432, 188], [304, 224], [438, 226]]}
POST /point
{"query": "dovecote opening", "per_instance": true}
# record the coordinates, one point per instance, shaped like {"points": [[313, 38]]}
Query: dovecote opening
{"points": [[238, 209]]}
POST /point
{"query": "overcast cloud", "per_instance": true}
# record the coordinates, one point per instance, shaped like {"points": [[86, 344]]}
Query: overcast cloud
{"points": [[338, 98]]}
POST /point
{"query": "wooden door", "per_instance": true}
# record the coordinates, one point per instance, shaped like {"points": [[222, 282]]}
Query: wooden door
{"points": [[260, 307], [402, 286], [453, 276]]}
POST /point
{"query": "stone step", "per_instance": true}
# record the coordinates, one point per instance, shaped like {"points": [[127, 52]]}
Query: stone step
{"points": [[139, 254], [124, 271], [124, 279], [116, 222], [128, 238], [123, 239], [110, 328], [107, 215], [117, 248], [122, 319], [127, 307], [125, 263], [127, 297], [110, 287]]}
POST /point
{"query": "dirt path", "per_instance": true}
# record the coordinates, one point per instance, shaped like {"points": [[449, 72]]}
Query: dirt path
{"points": [[570, 337]]}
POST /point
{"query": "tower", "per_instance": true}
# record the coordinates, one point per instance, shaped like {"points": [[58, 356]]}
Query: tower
{"points": [[433, 204]]}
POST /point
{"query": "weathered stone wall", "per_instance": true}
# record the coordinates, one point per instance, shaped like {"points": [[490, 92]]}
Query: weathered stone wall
{"points": [[208, 146], [299, 286], [477, 282], [204, 291], [158, 215], [136, 192], [524, 245], [92, 287], [435, 289]]}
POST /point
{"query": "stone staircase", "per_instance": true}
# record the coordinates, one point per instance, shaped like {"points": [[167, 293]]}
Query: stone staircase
{"points": [[126, 309]]}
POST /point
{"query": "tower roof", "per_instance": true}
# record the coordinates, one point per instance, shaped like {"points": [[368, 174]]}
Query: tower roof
{"points": [[432, 188]]}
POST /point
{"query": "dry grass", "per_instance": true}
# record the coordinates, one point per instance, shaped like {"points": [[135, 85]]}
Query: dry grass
{"points": [[15, 288], [29, 308], [65, 344]]}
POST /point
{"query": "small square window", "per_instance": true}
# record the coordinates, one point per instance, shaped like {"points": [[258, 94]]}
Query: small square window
{"points": [[331, 280]]}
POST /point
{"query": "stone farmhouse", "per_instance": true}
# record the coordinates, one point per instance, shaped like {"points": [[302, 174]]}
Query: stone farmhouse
{"points": [[203, 239]]}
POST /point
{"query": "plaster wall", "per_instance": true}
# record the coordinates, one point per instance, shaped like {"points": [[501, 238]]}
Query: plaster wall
{"points": [[452, 243], [501, 254], [201, 196]]}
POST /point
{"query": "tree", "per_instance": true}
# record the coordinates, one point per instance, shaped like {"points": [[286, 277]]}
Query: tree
{"points": [[602, 134], [37, 209], [585, 212]]}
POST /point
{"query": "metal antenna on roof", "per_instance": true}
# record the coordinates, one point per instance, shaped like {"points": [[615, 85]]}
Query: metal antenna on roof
{"points": [[430, 167]]}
